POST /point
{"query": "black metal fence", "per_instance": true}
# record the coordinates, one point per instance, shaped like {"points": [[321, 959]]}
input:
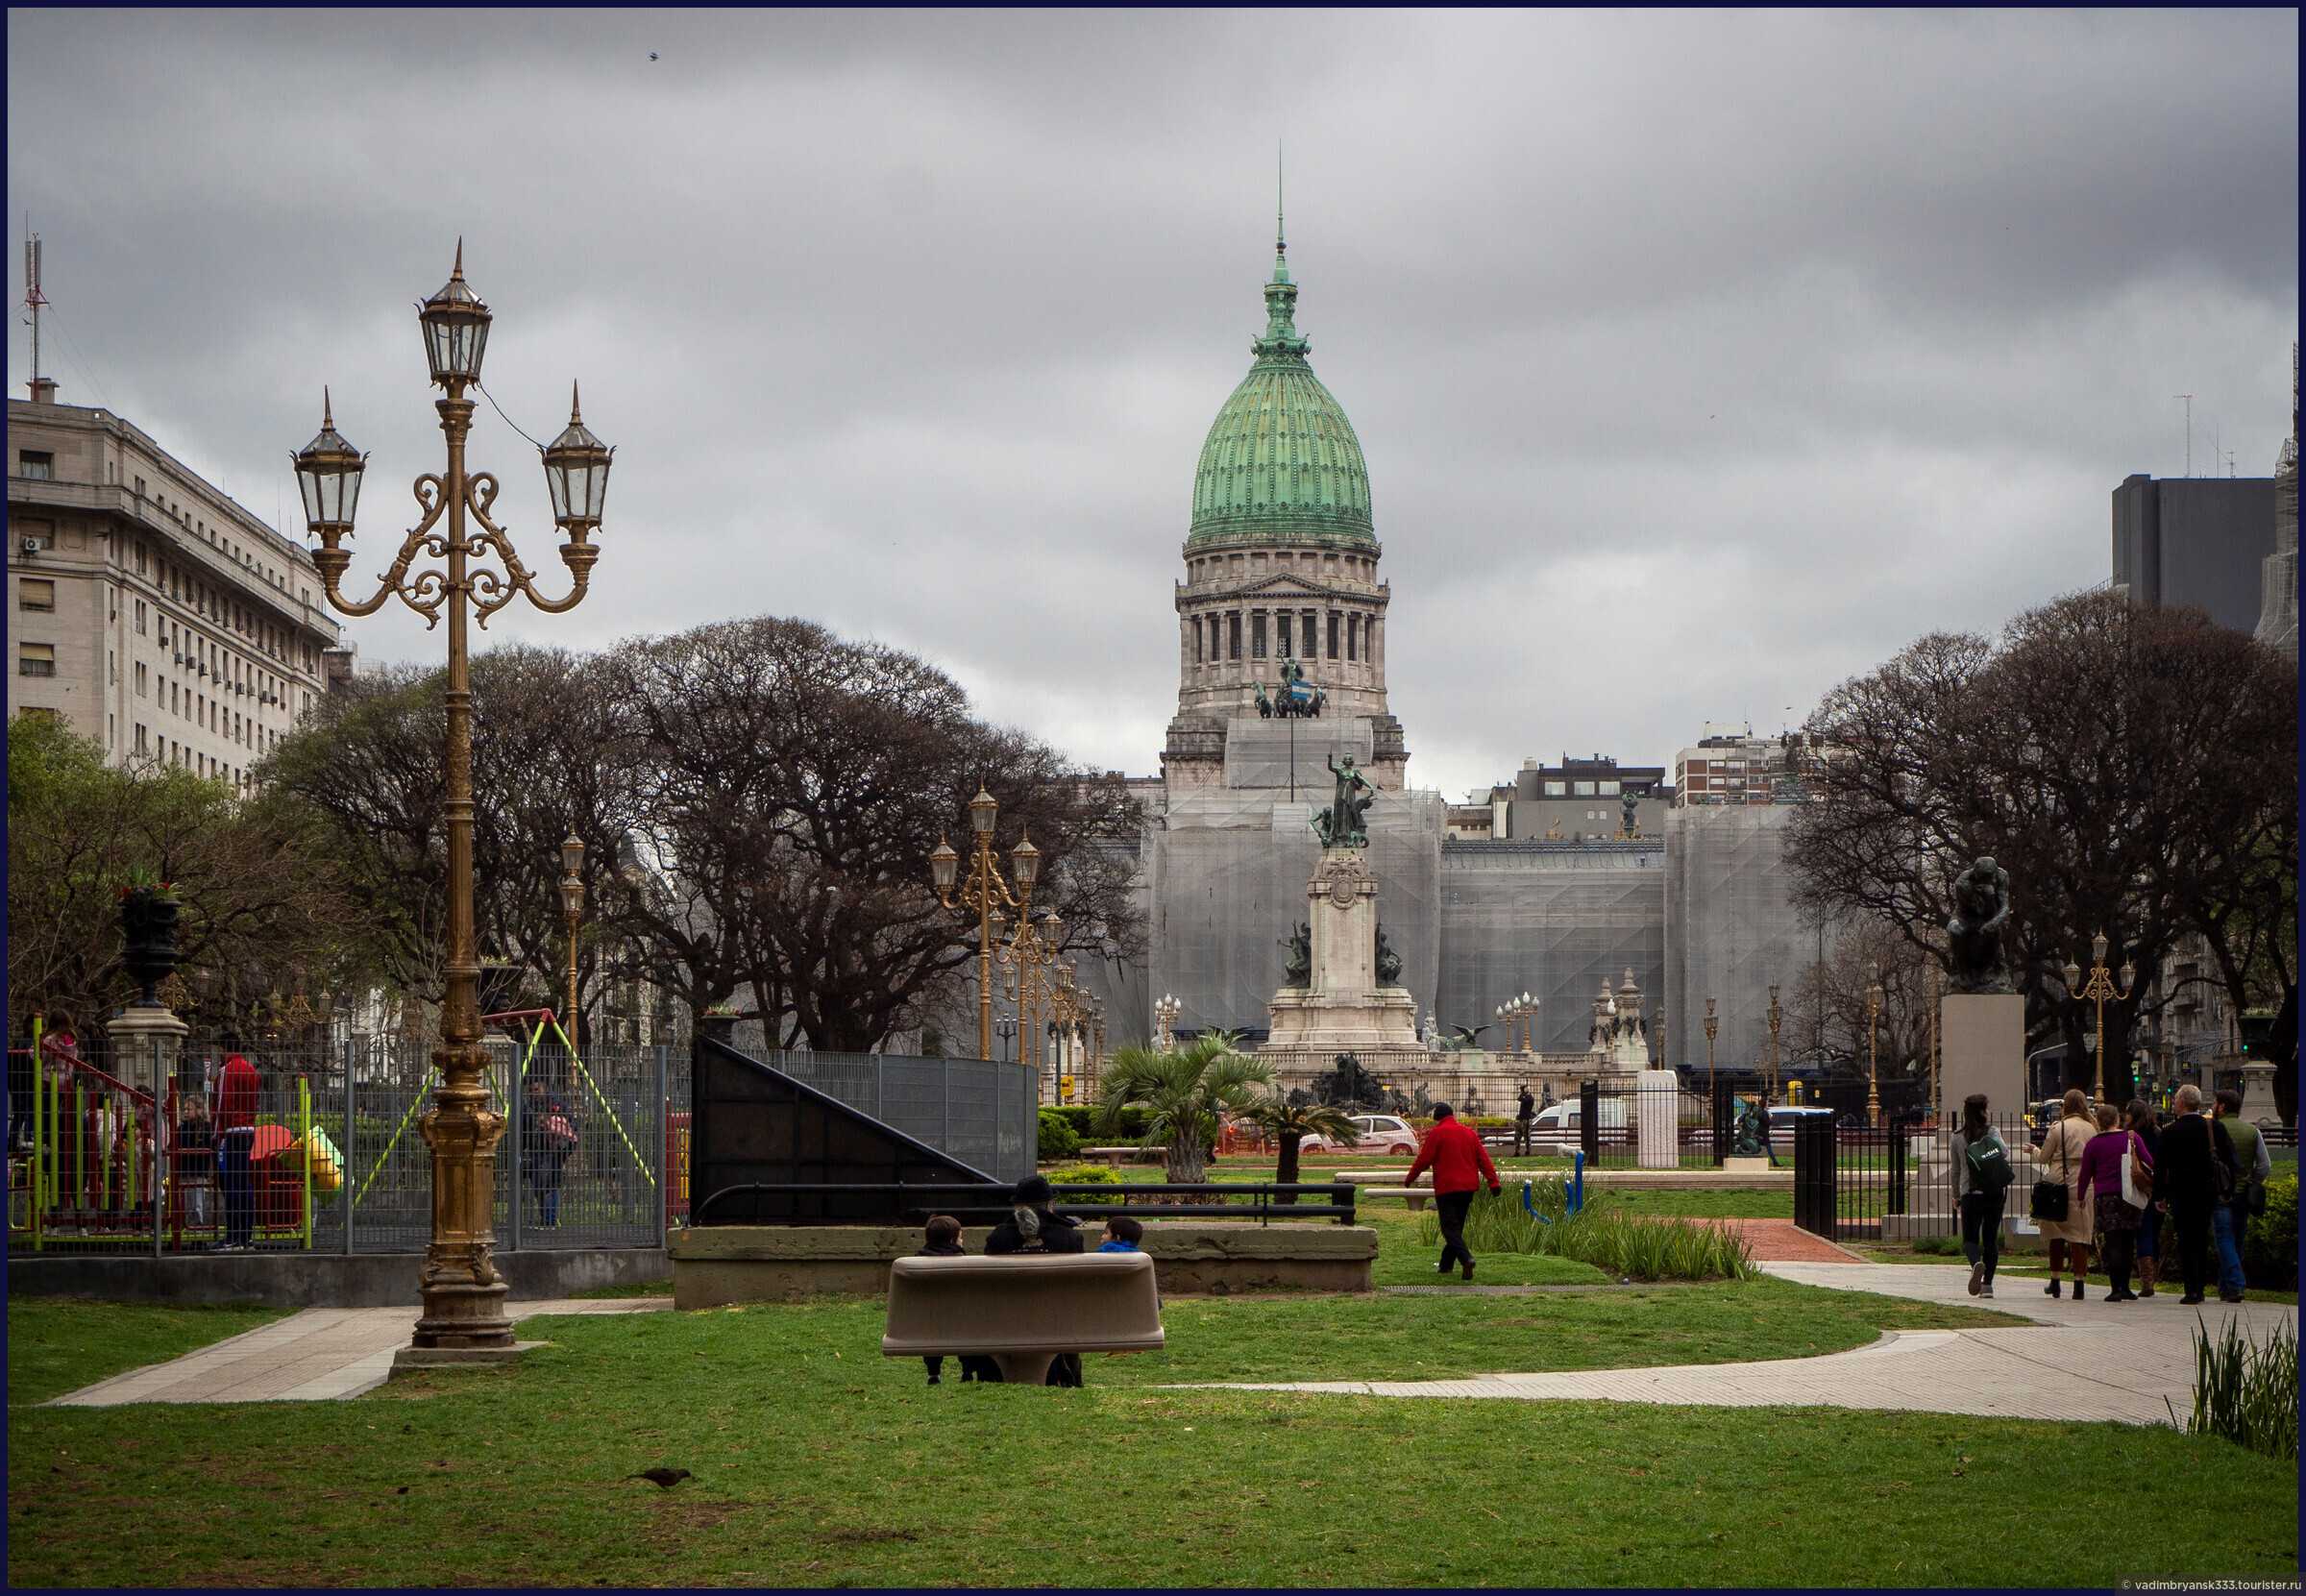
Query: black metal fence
{"points": [[977, 1202], [135, 1155], [1894, 1182]]}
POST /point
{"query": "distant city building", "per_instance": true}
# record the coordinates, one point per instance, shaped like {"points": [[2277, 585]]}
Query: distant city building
{"points": [[1581, 799], [146, 610], [1737, 767], [2196, 540]]}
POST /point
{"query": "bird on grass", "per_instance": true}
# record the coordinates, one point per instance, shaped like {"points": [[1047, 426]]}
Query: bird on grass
{"points": [[664, 1479]]}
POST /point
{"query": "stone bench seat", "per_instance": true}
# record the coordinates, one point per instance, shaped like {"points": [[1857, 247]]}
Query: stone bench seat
{"points": [[1021, 1310], [1132, 1153]]}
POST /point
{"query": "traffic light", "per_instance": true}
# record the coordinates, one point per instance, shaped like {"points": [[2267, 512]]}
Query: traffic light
{"points": [[2258, 1035]]}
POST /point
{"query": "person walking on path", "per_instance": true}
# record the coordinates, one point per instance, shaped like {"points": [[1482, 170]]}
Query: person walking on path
{"points": [[2253, 1167], [2196, 1178], [2147, 1124], [1460, 1164], [547, 1137], [1522, 1121], [2061, 1159], [2116, 1220], [235, 1136], [1982, 1181]]}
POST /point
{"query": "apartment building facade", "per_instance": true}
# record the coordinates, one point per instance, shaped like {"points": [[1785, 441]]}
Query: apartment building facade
{"points": [[147, 609]]}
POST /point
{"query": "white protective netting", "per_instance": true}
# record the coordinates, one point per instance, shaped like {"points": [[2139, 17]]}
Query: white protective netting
{"points": [[1228, 869], [1731, 928], [1553, 920]]}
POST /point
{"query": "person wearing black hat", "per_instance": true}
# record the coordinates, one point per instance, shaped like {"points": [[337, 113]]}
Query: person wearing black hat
{"points": [[1033, 1227]]}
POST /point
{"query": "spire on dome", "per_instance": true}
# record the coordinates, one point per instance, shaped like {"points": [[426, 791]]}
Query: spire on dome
{"points": [[1282, 336]]}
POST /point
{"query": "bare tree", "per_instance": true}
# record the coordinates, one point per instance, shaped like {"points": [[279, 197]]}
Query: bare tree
{"points": [[2091, 751]]}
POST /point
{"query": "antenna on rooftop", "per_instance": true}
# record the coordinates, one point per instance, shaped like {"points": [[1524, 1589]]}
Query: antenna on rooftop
{"points": [[44, 391], [2189, 399]]}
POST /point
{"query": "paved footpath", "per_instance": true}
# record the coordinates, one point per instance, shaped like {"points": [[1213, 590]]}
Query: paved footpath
{"points": [[318, 1354], [2131, 1362]]}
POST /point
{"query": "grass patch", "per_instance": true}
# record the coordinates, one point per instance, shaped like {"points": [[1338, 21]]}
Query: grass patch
{"points": [[817, 1463], [59, 1345], [1728, 1204], [1601, 1234], [629, 1288]]}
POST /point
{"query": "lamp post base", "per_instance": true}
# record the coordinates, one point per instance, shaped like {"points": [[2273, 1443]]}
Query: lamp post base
{"points": [[463, 1295]]}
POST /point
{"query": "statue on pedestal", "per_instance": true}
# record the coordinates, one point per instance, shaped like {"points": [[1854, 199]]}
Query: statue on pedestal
{"points": [[1344, 822], [1297, 970], [1981, 908], [1388, 962]]}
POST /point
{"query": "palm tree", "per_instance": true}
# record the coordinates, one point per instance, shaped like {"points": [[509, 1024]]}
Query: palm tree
{"points": [[1186, 1094], [1289, 1123]]}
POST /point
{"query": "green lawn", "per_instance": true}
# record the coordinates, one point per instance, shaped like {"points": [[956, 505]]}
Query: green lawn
{"points": [[819, 1463], [59, 1345]]}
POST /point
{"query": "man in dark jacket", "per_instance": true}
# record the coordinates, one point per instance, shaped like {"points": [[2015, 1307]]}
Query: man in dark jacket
{"points": [[2196, 1175], [1459, 1163], [1522, 1117], [1032, 1227]]}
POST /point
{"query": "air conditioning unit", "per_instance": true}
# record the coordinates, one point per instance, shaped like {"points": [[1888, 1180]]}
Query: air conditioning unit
{"points": [[31, 545]]}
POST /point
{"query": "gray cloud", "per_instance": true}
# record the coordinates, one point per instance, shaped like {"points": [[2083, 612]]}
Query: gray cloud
{"points": [[1701, 360]]}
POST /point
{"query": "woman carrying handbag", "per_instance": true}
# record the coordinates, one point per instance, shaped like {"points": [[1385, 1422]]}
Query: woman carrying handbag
{"points": [[2116, 1172], [2069, 1232]]}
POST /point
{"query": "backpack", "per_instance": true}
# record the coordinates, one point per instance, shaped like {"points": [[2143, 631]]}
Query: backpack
{"points": [[1989, 1166]]}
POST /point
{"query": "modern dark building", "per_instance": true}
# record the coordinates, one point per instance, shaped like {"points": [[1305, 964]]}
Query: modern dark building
{"points": [[2196, 540], [1583, 799]]}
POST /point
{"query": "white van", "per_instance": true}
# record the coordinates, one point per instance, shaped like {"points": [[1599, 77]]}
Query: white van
{"points": [[1561, 1128]]}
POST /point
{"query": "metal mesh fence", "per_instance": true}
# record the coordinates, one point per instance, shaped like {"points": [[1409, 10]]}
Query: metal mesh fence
{"points": [[986, 1114], [322, 1148]]}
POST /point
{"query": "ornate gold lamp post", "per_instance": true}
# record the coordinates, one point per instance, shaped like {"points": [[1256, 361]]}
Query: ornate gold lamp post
{"points": [[1874, 997], [1024, 978], [1164, 1021], [463, 1295], [1775, 1015], [984, 892], [2100, 988], [571, 906]]}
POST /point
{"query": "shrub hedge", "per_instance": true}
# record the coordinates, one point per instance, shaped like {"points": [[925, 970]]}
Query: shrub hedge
{"points": [[1086, 1174], [1082, 1117], [2269, 1248], [1057, 1139]]}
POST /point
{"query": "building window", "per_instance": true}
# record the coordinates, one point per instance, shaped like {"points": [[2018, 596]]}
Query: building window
{"points": [[36, 465], [1333, 634], [140, 742], [1233, 633], [139, 487], [1282, 622], [143, 686], [1257, 635], [35, 659], [1557, 789], [36, 593], [1581, 789], [1196, 640], [1607, 789], [140, 617], [1353, 637]]}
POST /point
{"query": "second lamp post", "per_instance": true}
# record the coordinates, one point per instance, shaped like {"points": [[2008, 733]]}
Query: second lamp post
{"points": [[2100, 988], [984, 892]]}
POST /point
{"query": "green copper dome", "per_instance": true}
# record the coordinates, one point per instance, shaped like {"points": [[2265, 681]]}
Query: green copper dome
{"points": [[1281, 464]]}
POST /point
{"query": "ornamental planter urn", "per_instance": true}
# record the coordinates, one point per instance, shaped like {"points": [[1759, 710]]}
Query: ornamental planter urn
{"points": [[148, 926]]}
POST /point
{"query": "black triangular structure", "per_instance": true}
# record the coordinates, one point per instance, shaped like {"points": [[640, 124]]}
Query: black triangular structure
{"points": [[756, 1133]]}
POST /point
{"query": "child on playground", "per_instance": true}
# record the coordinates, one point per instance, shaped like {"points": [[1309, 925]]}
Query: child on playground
{"points": [[1122, 1234]]}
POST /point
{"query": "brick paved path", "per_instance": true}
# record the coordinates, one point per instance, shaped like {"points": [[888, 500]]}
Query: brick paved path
{"points": [[2131, 1362], [317, 1355], [1783, 1241]]}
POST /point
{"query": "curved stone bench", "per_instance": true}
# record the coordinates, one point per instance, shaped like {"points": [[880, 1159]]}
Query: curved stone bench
{"points": [[1021, 1310]]}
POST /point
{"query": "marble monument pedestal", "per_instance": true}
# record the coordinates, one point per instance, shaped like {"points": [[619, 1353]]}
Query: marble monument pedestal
{"points": [[1342, 1008]]}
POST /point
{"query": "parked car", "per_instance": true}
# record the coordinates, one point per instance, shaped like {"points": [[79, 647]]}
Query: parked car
{"points": [[1783, 1117], [1374, 1133]]}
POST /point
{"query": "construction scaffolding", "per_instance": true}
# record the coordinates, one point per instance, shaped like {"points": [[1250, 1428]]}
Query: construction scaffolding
{"points": [[1555, 920], [1732, 929], [1229, 865]]}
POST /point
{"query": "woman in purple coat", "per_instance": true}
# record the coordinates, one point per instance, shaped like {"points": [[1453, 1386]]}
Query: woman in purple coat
{"points": [[2115, 1221]]}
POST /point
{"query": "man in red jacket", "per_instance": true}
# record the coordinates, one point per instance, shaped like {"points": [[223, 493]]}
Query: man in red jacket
{"points": [[1460, 1164]]}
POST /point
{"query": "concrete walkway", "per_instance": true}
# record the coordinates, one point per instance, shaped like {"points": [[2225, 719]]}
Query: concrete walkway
{"points": [[319, 1354], [2131, 1363]]}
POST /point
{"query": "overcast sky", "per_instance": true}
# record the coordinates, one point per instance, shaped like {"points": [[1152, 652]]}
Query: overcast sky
{"points": [[1700, 360]]}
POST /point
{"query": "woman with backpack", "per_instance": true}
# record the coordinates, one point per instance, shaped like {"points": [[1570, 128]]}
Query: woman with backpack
{"points": [[548, 1137], [1981, 1178]]}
